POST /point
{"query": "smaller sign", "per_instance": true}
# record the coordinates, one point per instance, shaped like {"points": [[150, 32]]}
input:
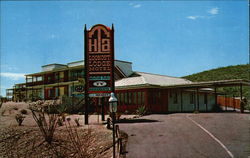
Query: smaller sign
{"points": [[99, 95], [101, 89], [93, 78], [100, 83], [79, 88]]}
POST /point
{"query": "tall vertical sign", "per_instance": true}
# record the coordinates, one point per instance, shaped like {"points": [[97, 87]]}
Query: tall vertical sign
{"points": [[99, 63]]}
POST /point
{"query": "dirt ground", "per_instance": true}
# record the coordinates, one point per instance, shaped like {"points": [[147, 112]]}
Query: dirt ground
{"points": [[26, 140]]}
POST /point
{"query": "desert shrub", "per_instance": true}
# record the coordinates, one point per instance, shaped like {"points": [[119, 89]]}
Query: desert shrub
{"points": [[126, 112], [247, 107], [217, 108], [15, 108], [77, 121], [60, 121], [46, 126], [141, 111], [80, 146], [19, 119], [196, 112], [80, 113], [24, 111]]}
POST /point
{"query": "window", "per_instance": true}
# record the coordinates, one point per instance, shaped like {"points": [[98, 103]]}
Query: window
{"points": [[175, 98], [122, 98], [57, 92], [139, 98], [129, 98], [205, 98], [142, 98], [191, 98], [39, 78], [126, 98], [134, 98], [119, 98], [51, 93]]}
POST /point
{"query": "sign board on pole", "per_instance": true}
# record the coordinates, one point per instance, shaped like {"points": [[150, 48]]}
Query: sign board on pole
{"points": [[99, 61]]}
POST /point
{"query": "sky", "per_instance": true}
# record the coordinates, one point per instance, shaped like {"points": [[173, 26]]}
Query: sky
{"points": [[174, 38]]}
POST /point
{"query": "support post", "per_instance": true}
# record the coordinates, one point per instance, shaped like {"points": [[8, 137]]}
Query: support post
{"points": [[198, 104], [241, 100], [102, 108], [43, 87], [241, 92], [86, 95], [32, 89], [181, 101], [26, 89], [113, 123], [215, 96], [234, 102], [225, 102]]}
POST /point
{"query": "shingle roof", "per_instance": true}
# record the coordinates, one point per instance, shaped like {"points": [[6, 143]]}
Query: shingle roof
{"points": [[142, 78]]}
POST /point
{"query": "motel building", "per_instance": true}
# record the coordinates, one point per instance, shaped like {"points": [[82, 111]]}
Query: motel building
{"points": [[158, 93]]}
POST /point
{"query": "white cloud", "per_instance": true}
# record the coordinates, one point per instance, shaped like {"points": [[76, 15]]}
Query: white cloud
{"points": [[135, 5], [194, 17], [53, 36], [213, 11], [8, 67], [12, 76]]}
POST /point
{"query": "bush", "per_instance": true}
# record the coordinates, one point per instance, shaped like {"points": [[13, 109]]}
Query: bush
{"points": [[19, 119], [247, 107], [60, 122], [196, 112], [217, 108], [80, 113], [77, 121], [47, 127], [141, 111], [126, 112], [24, 112]]}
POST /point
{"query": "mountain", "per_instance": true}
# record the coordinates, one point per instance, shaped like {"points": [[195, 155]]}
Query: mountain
{"points": [[225, 73]]}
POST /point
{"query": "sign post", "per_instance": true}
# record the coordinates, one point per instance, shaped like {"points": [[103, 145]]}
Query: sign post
{"points": [[99, 63]]}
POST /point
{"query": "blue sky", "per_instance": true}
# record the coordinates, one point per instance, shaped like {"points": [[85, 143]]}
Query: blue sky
{"points": [[163, 37]]}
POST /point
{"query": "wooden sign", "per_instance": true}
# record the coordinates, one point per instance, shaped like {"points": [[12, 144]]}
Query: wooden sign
{"points": [[99, 60]]}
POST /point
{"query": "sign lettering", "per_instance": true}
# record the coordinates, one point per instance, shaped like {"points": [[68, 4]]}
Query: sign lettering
{"points": [[99, 60]]}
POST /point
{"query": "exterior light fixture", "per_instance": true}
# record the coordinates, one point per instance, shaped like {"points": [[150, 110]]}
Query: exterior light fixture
{"points": [[112, 103], [113, 109]]}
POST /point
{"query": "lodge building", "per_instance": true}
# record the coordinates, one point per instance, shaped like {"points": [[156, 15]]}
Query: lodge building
{"points": [[158, 93]]}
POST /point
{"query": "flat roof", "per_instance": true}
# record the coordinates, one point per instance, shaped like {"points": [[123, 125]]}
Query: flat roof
{"points": [[219, 83], [53, 64], [56, 70]]}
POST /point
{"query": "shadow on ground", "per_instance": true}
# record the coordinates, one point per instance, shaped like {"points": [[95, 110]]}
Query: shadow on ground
{"points": [[136, 121]]}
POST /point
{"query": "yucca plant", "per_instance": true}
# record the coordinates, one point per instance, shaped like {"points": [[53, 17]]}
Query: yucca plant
{"points": [[19, 119], [141, 111]]}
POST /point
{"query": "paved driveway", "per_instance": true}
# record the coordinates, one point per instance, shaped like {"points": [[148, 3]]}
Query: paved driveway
{"points": [[210, 135]]}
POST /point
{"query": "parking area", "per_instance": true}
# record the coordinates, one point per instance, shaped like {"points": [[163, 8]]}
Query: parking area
{"points": [[183, 135]]}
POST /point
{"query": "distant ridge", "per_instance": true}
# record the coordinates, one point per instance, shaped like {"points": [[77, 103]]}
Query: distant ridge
{"points": [[225, 73]]}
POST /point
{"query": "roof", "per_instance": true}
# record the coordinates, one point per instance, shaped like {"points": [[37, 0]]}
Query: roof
{"points": [[142, 79], [220, 83], [148, 79]]}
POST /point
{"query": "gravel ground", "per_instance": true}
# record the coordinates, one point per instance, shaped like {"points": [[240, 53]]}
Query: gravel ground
{"points": [[27, 140]]}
